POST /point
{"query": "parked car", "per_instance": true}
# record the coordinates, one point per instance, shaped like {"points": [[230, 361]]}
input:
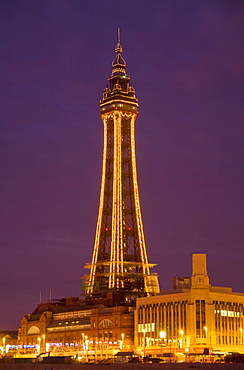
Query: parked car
{"points": [[234, 357]]}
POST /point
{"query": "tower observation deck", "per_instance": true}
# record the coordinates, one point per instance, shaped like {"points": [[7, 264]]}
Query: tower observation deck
{"points": [[119, 261]]}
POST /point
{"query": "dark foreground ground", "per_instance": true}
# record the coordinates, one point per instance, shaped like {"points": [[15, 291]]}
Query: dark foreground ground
{"points": [[125, 366]]}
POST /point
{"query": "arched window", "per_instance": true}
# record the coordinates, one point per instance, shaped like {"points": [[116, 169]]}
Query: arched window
{"points": [[105, 323], [34, 330]]}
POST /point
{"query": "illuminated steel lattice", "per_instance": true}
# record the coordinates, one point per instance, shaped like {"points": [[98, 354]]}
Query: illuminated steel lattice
{"points": [[119, 259]]}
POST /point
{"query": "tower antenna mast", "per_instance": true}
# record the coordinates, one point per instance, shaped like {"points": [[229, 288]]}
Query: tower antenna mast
{"points": [[118, 35]]}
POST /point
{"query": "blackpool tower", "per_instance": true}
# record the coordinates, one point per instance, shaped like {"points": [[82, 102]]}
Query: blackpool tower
{"points": [[119, 261]]}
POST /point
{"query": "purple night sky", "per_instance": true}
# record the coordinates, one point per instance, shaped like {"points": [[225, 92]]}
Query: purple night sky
{"points": [[186, 63]]}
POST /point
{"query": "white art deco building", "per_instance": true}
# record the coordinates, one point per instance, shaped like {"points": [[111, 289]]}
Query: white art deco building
{"points": [[192, 317]]}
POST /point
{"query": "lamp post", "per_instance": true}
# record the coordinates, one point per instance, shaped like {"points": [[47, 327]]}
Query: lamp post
{"points": [[206, 352], [82, 343], [86, 347], [38, 345], [241, 338], [4, 345], [144, 342], [44, 341], [181, 340], [206, 332], [122, 340]]}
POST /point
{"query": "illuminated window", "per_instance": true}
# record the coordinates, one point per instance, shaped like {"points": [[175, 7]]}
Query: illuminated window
{"points": [[105, 323]]}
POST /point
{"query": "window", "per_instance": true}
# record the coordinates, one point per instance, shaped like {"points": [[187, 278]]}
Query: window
{"points": [[201, 331], [105, 323]]}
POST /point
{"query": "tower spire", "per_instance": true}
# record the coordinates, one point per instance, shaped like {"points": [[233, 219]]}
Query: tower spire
{"points": [[119, 35], [118, 48]]}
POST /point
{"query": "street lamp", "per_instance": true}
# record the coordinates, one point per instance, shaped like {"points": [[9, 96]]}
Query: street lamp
{"points": [[181, 340], [4, 345], [86, 342], [82, 343], [206, 331], [122, 340], [206, 336], [144, 342], [38, 345], [44, 341]]}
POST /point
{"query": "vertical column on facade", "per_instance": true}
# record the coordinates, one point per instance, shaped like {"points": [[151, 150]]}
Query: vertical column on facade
{"points": [[221, 326], [236, 341], [210, 321], [174, 318], [136, 322], [178, 320], [180, 326], [166, 319], [191, 323], [184, 320], [175, 321], [140, 325], [149, 341], [154, 320], [241, 325], [161, 318], [231, 333], [144, 324], [181, 318], [233, 326], [225, 325], [228, 324], [216, 323], [157, 322], [237, 325], [171, 321]]}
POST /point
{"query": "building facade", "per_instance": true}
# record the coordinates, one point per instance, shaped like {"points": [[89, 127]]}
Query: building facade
{"points": [[194, 317], [69, 327], [8, 343]]}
